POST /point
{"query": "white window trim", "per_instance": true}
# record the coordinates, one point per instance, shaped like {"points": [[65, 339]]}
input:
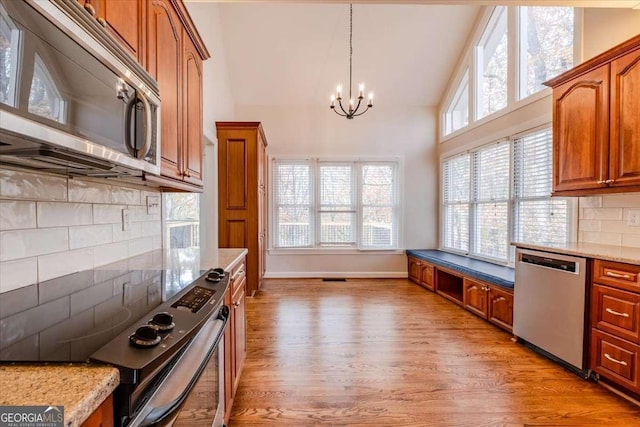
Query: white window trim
{"points": [[467, 60], [335, 250]]}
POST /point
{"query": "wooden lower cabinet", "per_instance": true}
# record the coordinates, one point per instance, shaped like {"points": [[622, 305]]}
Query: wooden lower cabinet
{"points": [[421, 273], [489, 302], [102, 416], [414, 268], [235, 338], [615, 323]]}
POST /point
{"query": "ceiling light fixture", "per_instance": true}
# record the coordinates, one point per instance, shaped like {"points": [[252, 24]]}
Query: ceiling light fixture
{"points": [[353, 110]]}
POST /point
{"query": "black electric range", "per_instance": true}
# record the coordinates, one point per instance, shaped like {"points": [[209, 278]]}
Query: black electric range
{"points": [[69, 318]]}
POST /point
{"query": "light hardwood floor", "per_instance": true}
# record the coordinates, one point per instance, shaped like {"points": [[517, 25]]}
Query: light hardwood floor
{"points": [[387, 352]]}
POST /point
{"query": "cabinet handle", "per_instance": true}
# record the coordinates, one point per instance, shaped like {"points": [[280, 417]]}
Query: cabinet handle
{"points": [[236, 304], [615, 313], [619, 362], [600, 182], [187, 174], [618, 275], [609, 181], [102, 22], [237, 274], [89, 8], [485, 288]]}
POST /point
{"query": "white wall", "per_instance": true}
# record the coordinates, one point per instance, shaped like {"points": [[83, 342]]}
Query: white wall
{"points": [[217, 105], [404, 132]]}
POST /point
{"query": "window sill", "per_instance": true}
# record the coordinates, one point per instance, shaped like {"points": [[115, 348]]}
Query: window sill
{"points": [[334, 251]]}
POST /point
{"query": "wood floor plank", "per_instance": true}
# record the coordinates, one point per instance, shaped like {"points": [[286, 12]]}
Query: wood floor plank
{"points": [[389, 353]]}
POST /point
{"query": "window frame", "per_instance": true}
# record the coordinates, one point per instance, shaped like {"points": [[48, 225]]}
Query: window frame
{"points": [[512, 201], [468, 61], [322, 247]]}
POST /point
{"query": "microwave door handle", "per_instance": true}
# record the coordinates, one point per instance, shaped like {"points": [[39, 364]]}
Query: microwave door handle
{"points": [[179, 382], [138, 101]]}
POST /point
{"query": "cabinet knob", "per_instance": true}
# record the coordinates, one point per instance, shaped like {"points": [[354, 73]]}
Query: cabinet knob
{"points": [[236, 304], [609, 181], [89, 8], [102, 22], [187, 174]]}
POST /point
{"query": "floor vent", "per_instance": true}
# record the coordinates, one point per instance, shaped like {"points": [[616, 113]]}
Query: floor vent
{"points": [[334, 279]]}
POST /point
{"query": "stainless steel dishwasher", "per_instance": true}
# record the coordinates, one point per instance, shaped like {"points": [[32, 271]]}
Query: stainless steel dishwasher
{"points": [[549, 305]]}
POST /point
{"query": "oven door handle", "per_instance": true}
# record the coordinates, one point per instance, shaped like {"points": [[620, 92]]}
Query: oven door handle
{"points": [[178, 382]]}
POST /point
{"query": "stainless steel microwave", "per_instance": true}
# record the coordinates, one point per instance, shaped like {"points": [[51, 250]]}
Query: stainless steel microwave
{"points": [[72, 101]]}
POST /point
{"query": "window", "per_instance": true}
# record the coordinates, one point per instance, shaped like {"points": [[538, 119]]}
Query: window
{"points": [[538, 218], [321, 203], [9, 47], [514, 51], [181, 220], [491, 59], [457, 115], [545, 45], [487, 190], [44, 98]]}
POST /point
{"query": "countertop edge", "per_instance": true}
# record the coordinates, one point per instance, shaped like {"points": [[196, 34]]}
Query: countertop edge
{"points": [[236, 260], [624, 254], [93, 400]]}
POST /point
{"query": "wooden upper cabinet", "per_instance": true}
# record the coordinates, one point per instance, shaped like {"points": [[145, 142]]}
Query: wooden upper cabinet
{"points": [[165, 64], [596, 124], [192, 114], [625, 120], [125, 21], [581, 151]]}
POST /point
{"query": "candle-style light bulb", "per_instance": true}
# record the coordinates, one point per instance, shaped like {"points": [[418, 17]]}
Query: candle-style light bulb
{"points": [[339, 91], [333, 101], [361, 91], [370, 99]]}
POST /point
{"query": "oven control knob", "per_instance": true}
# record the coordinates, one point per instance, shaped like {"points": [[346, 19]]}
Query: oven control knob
{"points": [[145, 336], [162, 321]]}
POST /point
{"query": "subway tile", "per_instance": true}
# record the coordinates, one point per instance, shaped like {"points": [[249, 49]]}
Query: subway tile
{"points": [[29, 322], [126, 196], [52, 214], [32, 186], [26, 349], [602, 238], [631, 240], [619, 227], [17, 215], [63, 263], [110, 253], [27, 243], [89, 192], [17, 274], [590, 202], [140, 246], [89, 297], [59, 287], [151, 228], [133, 232], [139, 214], [602, 213], [18, 300], [107, 214], [89, 235], [590, 225], [621, 201]]}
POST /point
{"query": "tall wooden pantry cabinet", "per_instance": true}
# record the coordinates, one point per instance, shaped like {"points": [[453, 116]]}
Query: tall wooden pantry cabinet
{"points": [[242, 194]]}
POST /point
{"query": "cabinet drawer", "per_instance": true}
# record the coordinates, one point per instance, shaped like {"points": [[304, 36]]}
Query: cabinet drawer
{"points": [[617, 274], [615, 359], [238, 275], [616, 312]]}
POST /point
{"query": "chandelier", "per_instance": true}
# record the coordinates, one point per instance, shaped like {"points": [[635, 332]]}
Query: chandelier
{"points": [[353, 108]]}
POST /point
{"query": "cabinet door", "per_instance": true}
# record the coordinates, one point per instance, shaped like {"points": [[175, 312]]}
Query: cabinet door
{"points": [[475, 297], [615, 359], [426, 276], [240, 333], [415, 269], [164, 63], [192, 116], [228, 360], [625, 120], [124, 20], [102, 416], [581, 132], [500, 308]]}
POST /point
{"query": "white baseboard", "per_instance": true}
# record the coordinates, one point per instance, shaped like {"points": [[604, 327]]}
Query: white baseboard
{"points": [[336, 274]]}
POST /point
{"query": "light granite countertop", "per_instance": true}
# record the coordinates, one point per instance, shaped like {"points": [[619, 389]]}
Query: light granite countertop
{"points": [[80, 388], [624, 254]]}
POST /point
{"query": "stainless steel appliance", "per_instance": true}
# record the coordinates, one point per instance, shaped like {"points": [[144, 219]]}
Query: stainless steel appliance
{"points": [[549, 305], [71, 100], [162, 328]]}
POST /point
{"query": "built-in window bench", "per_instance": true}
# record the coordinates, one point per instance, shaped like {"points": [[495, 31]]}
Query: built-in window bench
{"points": [[481, 287]]}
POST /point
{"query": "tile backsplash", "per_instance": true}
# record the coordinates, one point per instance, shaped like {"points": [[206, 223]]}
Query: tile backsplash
{"points": [[51, 226], [603, 219]]}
